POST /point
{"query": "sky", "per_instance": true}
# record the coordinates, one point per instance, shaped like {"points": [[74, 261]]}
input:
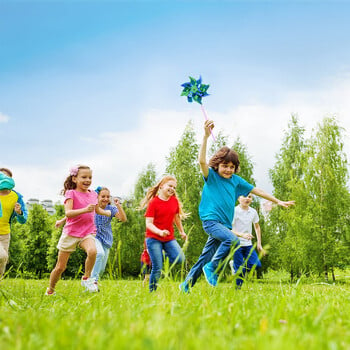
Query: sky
{"points": [[99, 82]]}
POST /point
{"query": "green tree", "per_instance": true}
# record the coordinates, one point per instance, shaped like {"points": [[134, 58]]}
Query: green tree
{"points": [[182, 163], [281, 231], [129, 236], [326, 181], [38, 233]]}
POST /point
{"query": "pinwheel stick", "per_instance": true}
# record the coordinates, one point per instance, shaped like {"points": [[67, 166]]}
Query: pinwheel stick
{"points": [[206, 118]]}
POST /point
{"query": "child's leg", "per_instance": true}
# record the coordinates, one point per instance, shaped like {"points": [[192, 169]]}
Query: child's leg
{"points": [[207, 253], [155, 249], [4, 249], [104, 261], [238, 259], [253, 259], [90, 248], [61, 265], [222, 234], [174, 252], [99, 260]]}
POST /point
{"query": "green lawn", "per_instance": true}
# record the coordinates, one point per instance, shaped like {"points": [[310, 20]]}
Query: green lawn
{"points": [[268, 314]]}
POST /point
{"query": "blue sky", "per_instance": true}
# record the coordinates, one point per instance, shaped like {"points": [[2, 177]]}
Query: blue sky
{"points": [[99, 82]]}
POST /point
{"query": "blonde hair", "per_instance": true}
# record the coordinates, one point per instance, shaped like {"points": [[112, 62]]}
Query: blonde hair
{"points": [[153, 191]]}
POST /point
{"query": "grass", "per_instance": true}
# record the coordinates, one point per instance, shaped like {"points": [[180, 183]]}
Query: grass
{"points": [[269, 314]]}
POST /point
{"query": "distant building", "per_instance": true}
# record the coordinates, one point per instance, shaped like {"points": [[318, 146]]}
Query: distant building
{"points": [[47, 204]]}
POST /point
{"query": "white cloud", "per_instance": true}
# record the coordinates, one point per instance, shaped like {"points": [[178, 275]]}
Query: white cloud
{"points": [[121, 156], [4, 118]]}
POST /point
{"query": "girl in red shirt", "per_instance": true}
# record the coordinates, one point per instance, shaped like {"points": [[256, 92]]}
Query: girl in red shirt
{"points": [[163, 210]]}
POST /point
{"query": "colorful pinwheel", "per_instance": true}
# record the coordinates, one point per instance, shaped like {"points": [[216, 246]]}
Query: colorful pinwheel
{"points": [[195, 90]]}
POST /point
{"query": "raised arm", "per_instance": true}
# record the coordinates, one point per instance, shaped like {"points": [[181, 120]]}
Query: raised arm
{"points": [[202, 157], [120, 215], [269, 197]]}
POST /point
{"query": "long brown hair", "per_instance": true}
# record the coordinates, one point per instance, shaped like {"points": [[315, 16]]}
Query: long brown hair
{"points": [[153, 191], [68, 183]]}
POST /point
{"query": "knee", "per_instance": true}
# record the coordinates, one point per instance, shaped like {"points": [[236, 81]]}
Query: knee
{"points": [[100, 255], [91, 252], [60, 267]]}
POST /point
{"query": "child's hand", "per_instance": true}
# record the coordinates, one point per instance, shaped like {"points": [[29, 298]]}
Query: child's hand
{"points": [[208, 126], [164, 233], [18, 209], [247, 236], [90, 208], [60, 222], [286, 204], [260, 249], [183, 236], [116, 201]]}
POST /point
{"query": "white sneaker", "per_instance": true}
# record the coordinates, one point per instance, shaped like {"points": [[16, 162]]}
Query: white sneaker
{"points": [[48, 292], [89, 285]]}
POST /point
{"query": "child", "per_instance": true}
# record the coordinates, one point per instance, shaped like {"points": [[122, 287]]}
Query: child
{"points": [[104, 235], [245, 256], [163, 209], [11, 207], [221, 189], [80, 205], [146, 265]]}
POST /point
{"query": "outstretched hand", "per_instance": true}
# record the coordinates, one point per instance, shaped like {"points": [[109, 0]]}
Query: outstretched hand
{"points": [[286, 204]]}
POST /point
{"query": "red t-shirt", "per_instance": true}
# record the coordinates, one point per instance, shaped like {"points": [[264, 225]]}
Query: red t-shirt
{"points": [[163, 214]]}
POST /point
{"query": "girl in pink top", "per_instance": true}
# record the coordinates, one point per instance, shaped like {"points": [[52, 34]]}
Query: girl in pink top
{"points": [[80, 206]]}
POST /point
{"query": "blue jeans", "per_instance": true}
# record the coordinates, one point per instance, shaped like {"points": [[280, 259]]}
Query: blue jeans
{"points": [[216, 249], [101, 260], [155, 249], [245, 258]]}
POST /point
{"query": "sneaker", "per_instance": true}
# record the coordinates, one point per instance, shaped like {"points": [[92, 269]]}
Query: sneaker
{"points": [[89, 285], [184, 288], [50, 292], [96, 284], [210, 275]]}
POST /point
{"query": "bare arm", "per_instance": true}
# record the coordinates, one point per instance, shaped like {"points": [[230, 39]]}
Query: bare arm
{"points": [[121, 213], [263, 194], [71, 213], [152, 227], [179, 226], [202, 157], [101, 211], [258, 236], [243, 235]]}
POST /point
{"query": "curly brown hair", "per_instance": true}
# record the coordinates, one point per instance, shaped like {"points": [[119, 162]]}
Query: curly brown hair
{"points": [[224, 155]]}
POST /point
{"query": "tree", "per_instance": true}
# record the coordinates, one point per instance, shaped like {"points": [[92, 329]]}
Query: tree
{"points": [[182, 163], [129, 236], [281, 233], [39, 229]]}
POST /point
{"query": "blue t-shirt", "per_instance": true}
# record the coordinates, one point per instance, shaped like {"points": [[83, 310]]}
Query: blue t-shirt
{"points": [[104, 228], [219, 197]]}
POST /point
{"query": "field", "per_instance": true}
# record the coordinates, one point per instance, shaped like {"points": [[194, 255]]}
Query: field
{"points": [[265, 314]]}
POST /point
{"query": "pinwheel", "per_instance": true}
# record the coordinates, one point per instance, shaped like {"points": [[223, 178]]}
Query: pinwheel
{"points": [[195, 91]]}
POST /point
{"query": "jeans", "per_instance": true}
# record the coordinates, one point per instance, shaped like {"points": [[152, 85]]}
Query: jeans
{"points": [[155, 250], [245, 258], [101, 260], [216, 249]]}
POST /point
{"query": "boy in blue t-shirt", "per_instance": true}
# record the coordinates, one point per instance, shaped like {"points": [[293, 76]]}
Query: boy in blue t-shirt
{"points": [[221, 190]]}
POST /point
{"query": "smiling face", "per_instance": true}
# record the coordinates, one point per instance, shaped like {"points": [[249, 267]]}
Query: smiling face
{"points": [[83, 180], [226, 170], [245, 201], [104, 198], [167, 189]]}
